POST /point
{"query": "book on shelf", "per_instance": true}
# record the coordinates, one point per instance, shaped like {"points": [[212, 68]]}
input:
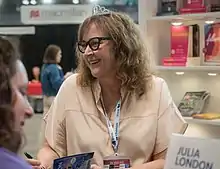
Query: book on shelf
{"points": [[207, 116], [174, 64], [167, 7], [179, 46], [179, 41], [192, 6], [174, 59], [199, 6], [193, 58], [213, 5], [174, 7], [185, 46], [212, 44], [193, 103], [192, 10]]}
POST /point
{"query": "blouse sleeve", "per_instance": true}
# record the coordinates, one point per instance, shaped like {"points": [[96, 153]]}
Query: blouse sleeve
{"points": [[169, 120], [55, 126], [55, 119]]}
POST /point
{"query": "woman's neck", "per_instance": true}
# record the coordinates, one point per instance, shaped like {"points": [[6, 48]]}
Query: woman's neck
{"points": [[110, 85], [110, 93]]}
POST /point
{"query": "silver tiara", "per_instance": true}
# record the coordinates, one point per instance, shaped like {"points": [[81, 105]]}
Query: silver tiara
{"points": [[100, 10]]}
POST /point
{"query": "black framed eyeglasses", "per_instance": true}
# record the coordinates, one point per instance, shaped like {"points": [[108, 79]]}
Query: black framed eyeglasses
{"points": [[93, 43]]}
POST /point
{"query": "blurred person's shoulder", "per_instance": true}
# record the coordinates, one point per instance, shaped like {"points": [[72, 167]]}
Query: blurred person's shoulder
{"points": [[48, 67], [11, 160]]}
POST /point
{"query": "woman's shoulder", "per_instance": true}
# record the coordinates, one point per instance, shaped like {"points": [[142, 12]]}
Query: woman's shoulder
{"points": [[161, 90], [71, 80], [158, 81], [70, 84], [11, 160], [158, 85]]}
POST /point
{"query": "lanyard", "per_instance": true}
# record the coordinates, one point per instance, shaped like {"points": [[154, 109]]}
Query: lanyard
{"points": [[114, 132]]}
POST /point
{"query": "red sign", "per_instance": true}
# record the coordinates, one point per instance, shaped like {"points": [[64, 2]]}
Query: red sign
{"points": [[34, 13]]}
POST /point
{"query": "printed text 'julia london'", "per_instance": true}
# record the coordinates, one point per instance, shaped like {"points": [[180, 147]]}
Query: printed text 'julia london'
{"points": [[190, 158]]}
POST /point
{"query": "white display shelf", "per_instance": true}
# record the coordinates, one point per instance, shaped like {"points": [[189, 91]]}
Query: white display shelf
{"points": [[20, 30], [215, 122], [187, 17], [189, 68]]}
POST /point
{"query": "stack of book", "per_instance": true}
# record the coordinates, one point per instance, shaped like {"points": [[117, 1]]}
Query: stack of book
{"points": [[174, 61], [193, 6], [174, 7]]}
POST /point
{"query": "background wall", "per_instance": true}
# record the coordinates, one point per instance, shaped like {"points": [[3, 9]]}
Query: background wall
{"points": [[194, 81], [32, 46]]}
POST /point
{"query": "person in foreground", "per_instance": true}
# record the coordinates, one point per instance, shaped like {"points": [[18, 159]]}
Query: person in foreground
{"points": [[114, 76], [14, 107]]}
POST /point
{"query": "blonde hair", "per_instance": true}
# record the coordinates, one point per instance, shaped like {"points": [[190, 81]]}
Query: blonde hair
{"points": [[132, 58]]}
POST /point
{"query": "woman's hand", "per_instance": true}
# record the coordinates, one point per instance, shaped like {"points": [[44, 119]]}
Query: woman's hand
{"points": [[36, 164]]}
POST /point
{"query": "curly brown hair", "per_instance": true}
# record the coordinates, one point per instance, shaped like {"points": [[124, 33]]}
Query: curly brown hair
{"points": [[9, 137], [134, 69]]}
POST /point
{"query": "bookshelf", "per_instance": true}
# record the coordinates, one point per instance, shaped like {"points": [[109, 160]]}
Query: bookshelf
{"points": [[189, 68], [187, 17], [156, 30]]}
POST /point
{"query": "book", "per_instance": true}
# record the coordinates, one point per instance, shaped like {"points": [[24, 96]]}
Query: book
{"points": [[192, 153], [77, 161], [179, 41], [193, 6], [207, 116], [212, 5], [192, 10], [193, 103], [212, 43], [167, 7]]}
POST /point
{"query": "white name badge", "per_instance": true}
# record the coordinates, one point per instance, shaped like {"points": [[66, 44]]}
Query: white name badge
{"points": [[192, 153]]}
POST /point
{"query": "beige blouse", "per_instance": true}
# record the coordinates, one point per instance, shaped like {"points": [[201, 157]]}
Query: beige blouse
{"points": [[76, 123]]}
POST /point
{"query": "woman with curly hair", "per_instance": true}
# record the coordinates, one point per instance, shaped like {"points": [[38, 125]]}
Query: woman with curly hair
{"points": [[114, 103], [14, 107]]}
